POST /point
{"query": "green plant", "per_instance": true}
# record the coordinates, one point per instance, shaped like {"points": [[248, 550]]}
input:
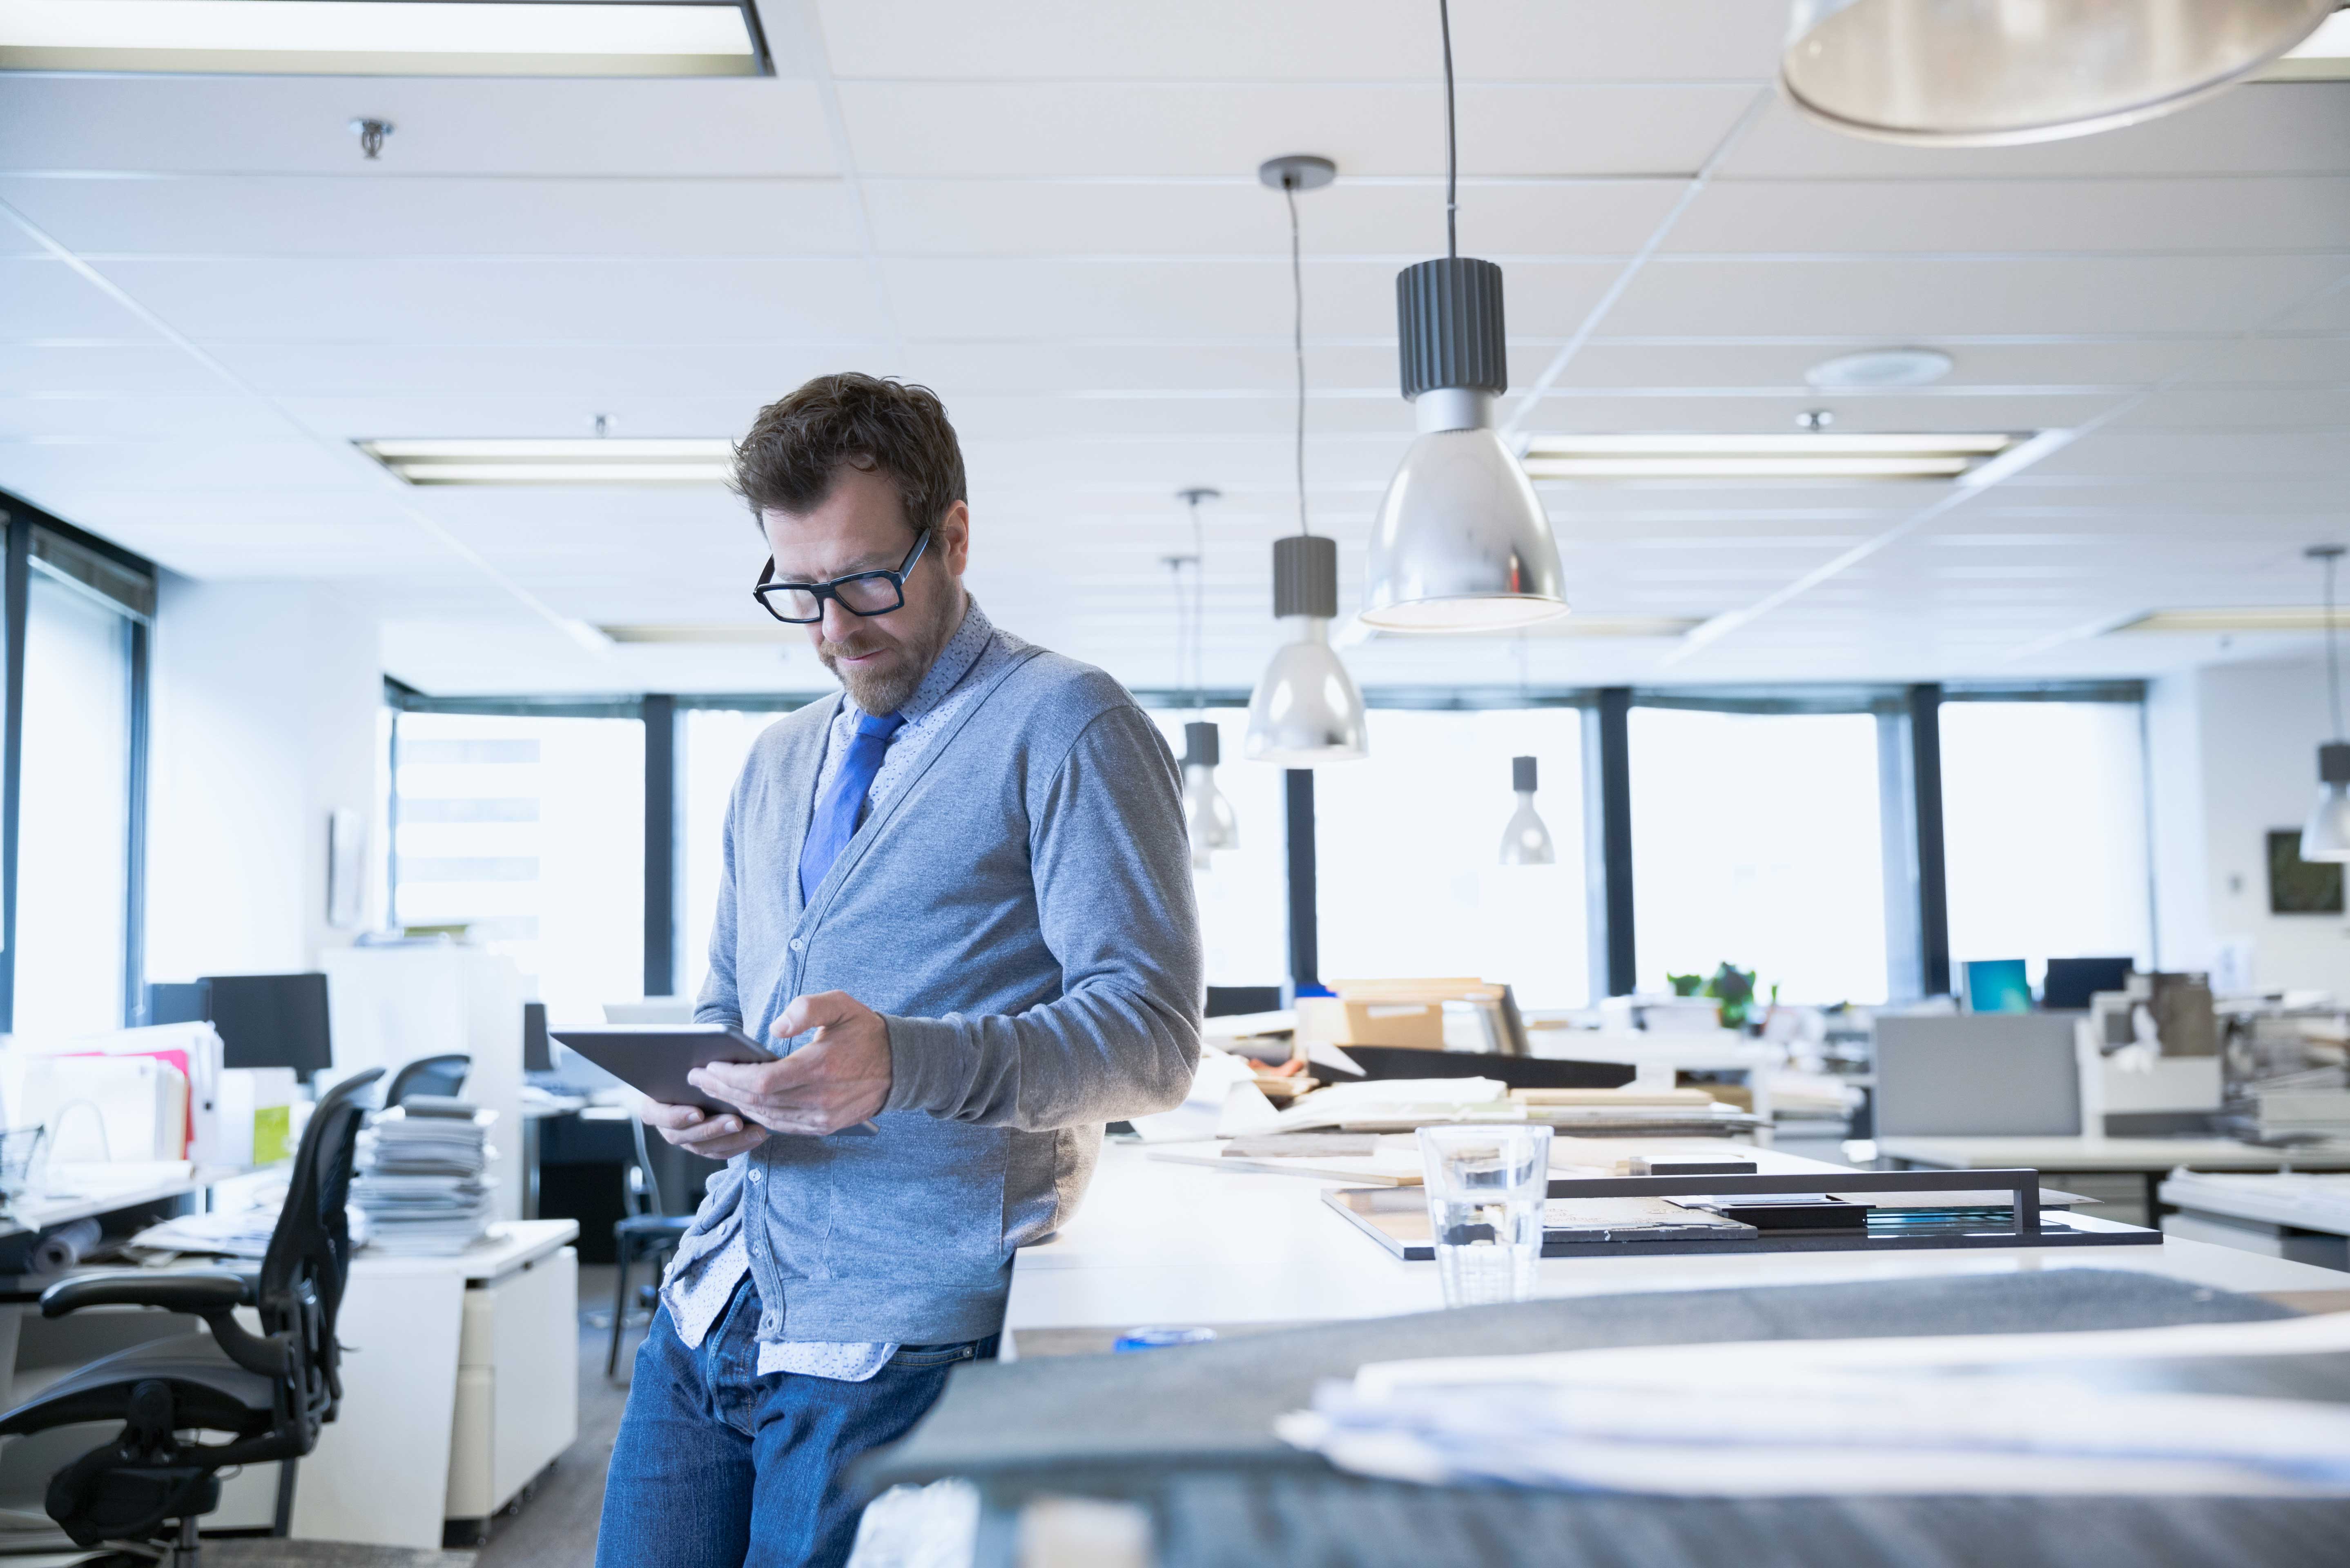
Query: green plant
{"points": [[1734, 989], [1685, 984]]}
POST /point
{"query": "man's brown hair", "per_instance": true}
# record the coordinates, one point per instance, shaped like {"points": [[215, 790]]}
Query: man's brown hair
{"points": [[798, 444]]}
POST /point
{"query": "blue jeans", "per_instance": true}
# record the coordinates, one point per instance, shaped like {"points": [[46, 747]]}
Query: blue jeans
{"points": [[716, 1467]]}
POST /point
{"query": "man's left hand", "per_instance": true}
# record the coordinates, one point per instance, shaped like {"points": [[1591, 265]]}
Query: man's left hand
{"points": [[837, 1079]]}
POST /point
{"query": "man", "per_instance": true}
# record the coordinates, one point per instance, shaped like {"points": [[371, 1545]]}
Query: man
{"points": [[960, 897]]}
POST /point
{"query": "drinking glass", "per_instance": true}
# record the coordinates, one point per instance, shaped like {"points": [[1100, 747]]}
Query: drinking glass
{"points": [[1486, 1185]]}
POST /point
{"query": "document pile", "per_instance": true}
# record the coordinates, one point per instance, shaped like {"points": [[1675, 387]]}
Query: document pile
{"points": [[2242, 1409], [423, 1180]]}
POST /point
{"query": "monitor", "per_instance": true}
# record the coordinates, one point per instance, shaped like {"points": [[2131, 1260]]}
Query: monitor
{"points": [[179, 1001], [272, 1021], [1998, 985], [537, 1056], [1977, 1076], [2072, 981]]}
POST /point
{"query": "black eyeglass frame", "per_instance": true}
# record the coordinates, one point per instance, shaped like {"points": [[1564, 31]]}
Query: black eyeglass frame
{"points": [[830, 588]]}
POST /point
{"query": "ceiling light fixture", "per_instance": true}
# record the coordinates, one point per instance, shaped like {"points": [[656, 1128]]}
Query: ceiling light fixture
{"points": [[2326, 834], [1880, 368], [1989, 73], [1526, 840], [387, 37], [596, 461], [1805, 455], [1461, 542], [1208, 817], [1306, 709], [2227, 620]]}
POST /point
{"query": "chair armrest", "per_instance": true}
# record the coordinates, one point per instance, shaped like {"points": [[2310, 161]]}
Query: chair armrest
{"points": [[201, 1295]]}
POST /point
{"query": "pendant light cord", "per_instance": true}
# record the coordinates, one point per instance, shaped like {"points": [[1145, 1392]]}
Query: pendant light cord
{"points": [[1451, 139], [2333, 660], [1297, 339], [1199, 606]]}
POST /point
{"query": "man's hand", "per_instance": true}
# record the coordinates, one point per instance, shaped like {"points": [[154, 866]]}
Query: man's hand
{"points": [[719, 1137], [837, 1079]]}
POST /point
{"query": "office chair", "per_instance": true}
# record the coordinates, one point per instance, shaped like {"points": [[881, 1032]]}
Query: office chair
{"points": [[442, 1075], [270, 1393], [645, 1231]]}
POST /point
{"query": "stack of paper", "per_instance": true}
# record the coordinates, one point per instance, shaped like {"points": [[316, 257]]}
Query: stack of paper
{"points": [[2233, 1409], [424, 1181]]}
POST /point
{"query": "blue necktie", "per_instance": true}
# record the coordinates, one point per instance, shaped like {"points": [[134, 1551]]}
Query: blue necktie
{"points": [[835, 822]]}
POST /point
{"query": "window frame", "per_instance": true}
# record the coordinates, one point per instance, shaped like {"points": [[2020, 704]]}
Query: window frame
{"points": [[126, 584]]}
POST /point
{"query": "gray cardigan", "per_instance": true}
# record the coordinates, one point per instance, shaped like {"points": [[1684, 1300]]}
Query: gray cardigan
{"points": [[1020, 909]]}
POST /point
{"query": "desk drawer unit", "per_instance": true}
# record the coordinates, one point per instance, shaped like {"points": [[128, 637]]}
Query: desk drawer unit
{"points": [[517, 1383]]}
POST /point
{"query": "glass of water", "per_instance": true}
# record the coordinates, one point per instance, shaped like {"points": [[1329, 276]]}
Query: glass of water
{"points": [[1486, 1185]]}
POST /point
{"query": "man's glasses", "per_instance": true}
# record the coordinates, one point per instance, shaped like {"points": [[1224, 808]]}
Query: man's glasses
{"points": [[860, 592]]}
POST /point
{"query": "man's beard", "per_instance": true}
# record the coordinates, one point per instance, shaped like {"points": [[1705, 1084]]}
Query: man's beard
{"points": [[886, 688]]}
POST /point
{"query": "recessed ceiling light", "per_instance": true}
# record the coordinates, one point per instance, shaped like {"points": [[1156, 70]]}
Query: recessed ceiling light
{"points": [[1803, 456], [2324, 56], [593, 461], [1881, 367], [386, 37], [2227, 620]]}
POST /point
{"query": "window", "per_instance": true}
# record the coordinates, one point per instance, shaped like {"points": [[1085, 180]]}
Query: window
{"points": [[530, 831], [72, 867], [2045, 831], [1408, 855], [1755, 842], [716, 741], [1243, 893]]}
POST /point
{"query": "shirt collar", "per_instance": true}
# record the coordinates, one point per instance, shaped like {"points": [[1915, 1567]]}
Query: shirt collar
{"points": [[954, 661]]}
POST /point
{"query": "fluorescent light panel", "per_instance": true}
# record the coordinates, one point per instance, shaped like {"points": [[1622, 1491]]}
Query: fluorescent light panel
{"points": [[605, 460], [383, 37], [705, 633], [1801, 455], [2222, 619]]}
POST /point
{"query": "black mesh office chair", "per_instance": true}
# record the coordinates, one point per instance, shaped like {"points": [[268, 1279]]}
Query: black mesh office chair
{"points": [[647, 1230], [143, 1492], [429, 1075]]}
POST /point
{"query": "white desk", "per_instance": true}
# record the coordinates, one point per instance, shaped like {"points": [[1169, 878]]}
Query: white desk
{"points": [[2303, 1217], [2141, 1162], [1162, 1243]]}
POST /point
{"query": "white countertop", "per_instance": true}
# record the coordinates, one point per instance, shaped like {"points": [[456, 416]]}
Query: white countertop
{"points": [[2139, 1154], [1156, 1242]]}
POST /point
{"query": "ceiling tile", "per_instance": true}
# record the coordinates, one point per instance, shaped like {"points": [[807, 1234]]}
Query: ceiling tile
{"points": [[236, 125], [1905, 298], [1304, 40], [45, 301], [1226, 128], [1977, 370], [288, 216], [502, 301]]}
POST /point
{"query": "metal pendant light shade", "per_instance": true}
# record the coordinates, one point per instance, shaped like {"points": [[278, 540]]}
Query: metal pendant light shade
{"points": [[1208, 816], [1306, 709], [1526, 840], [1983, 73], [1461, 543], [2326, 834]]}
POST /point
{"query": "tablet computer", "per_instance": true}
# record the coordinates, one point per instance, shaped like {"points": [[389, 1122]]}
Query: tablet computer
{"points": [[656, 1058]]}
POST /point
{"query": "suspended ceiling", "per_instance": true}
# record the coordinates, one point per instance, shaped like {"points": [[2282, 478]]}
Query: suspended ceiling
{"points": [[1049, 212]]}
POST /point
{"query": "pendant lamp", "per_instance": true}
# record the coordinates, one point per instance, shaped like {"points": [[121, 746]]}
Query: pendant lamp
{"points": [[1306, 709], [1208, 816], [2326, 834], [1987, 73], [1461, 542], [1526, 840]]}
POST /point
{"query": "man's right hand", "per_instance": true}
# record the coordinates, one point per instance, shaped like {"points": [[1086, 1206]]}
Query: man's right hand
{"points": [[719, 1137]]}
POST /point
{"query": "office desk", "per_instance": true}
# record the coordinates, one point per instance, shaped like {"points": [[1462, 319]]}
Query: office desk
{"points": [[1162, 1243], [2299, 1215], [2137, 1165]]}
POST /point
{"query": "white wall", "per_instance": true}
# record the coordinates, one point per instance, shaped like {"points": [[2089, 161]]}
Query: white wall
{"points": [[2233, 750], [264, 708]]}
